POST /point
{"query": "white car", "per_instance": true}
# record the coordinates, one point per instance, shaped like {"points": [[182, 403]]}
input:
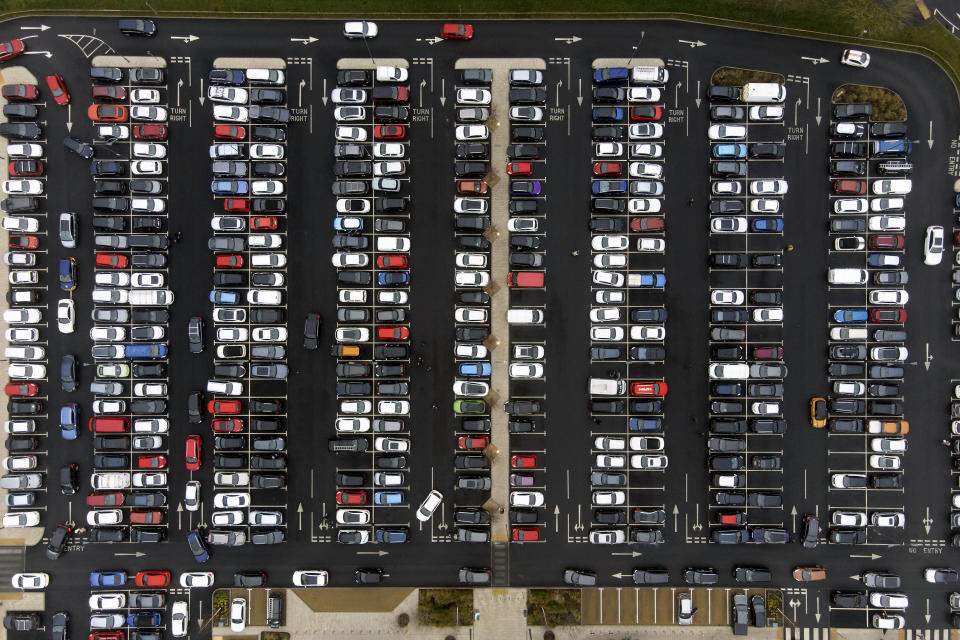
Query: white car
{"points": [[196, 579], [470, 314], [310, 578], [350, 134], [360, 29], [352, 425], [23, 224], [266, 188], [645, 131], [107, 601], [526, 113], [768, 314], [889, 354], [608, 461], [727, 296], [610, 260], [651, 245], [228, 223], [608, 149], [152, 96], [270, 297], [608, 498], [24, 187], [648, 332], [266, 152], [648, 150], [887, 223], [526, 499], [855, 58], [646, 443], [471, 260], [888, 519], [30, 581], [231, 500], [605, 443], [158, 479], [646, 170], [149, 150], [146, 168], [23, 276], [353, 296], [104, 517], [392, 297], [726, 188], [880, 205], [473, 96], [643, 94], [191, 495], [849, 388], [344, 95], [232, 95], [609, 242], [22, 371], [28, 315], [429, 505], [646, 461], [849, 243], [765, 408], [850, 205], [470, 351], [525, 370], [472, 132], [350, 260], [884, 462], [728, 224], [229, 518], [65, 315], [608, 296], [768, 187], [764, 205], [238, 615], [269, 334], [20, 259], [766, 112], [147, 280], [894, 297], [389, 150], [148, 114], [178, 619], [151, 389], [608, 278], [472, 278], [607, 536], [933, 245], [727, 132], [353, 516], [351, 334], [523, 225], [393, 407], [848, 518], [606, 334], [605, 314], [227, 113], [889, 445], [231, 334], [528, 351], [391, 74], [349, 113], [389, 168], [470, 388], [25, 150]]}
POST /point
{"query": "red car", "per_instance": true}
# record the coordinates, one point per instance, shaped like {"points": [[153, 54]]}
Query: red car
{"points": [[607, 169], [768, 353], [231, 407], [24, 242], [152, 578], [647, 224], [150, 132], [651, 388], [393, 261], [646, 113], [850, 187], [11, 49], [392, 333], [472, 187], [58, 89], [519, 168], [732, 518], [263, 223], [146, 516], [113, 260], [526, 534], [151, 462], [109, 93], [112, 499], [229, 132], [473, 442], [21, 389], [523, 461], [227, 425], [886, 241], [108, 635], [229, 261], [456, 31], [25, 168], [389, 132], [241, 205], [107, 113], [192, 454], [351, 497], [18, 92], [888, 315]]}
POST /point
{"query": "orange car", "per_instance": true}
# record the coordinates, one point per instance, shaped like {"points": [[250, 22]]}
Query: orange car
{"points": [[888, 427], [818, 412], [107, 113], [809, 574]]}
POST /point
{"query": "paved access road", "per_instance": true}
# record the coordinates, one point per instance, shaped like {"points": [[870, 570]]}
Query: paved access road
{"points": [[691, 53]]}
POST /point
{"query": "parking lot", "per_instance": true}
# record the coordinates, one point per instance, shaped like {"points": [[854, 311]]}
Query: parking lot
{"points": [[640, 229]]}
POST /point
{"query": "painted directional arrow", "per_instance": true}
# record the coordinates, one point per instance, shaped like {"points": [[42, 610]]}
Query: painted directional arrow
{"points": [[818, 118], [307, 40], [926, 364], [373, 553], [619, 576], [69, 118], [632, 554], [927, 521], [930, 139], [431, 41], [872, 556], [43, 53], [692, 43], [138, 554], [569, 39], [814, 60], [556, 519], [190, 38], [42, 27]]}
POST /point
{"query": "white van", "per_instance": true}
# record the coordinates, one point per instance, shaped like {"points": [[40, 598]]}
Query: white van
{"points": [[898, 187], [607, 387], [265, 76], [151, 297], [764, 92], [524, 316], [847, 276], [847, 333], [650, 75], [729, 371], [110, 480]]}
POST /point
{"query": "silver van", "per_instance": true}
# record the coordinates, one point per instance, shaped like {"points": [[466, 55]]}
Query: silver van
{"points": [[847, 276], [607, 387], [524, 316]]}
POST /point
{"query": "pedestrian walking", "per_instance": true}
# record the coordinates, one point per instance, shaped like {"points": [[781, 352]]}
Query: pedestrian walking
{"points": [[945, 443], [690, 201], [575, 252]]}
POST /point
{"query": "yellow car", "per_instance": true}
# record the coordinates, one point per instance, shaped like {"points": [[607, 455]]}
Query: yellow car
{"points": [[818, 412]]}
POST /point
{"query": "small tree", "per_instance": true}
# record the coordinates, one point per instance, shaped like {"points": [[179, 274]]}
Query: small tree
{"points": [[403, 620], [548, 635]]}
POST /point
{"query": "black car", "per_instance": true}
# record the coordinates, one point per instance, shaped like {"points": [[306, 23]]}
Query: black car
{"points": [[58, 541], [726, 207], [473, 151], [249, 579], [886, 480], [728, 260], [609, 133], [771, 150], [609, 94], [608, 225], [21, 131], [766, 260], [848, 536], [476, 76], [605, 353], [752, 575], [849, 599], [353, 77], [848, 149], [20, 111], [726, 463], [20, 204], [888, 129], [724, 93], [727, 113], [728, 426], [21, 621], [471, 223], [523, 151], [852, 111], [848, 167], [267, 96], [609, 516], [522, 407], [728, 169], [528, 95]]}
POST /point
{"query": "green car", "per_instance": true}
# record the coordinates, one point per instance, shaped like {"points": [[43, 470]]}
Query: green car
{"points": [[469, 406], [113, 370]]}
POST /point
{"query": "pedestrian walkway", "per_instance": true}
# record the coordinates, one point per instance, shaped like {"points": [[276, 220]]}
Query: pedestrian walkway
{"points": [[500, 614]]}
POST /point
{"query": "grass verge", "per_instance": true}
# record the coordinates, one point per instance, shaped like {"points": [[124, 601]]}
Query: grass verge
{"points": [[561, 607], [887, 104], [445, 607], [737, 77], [221, 607]]}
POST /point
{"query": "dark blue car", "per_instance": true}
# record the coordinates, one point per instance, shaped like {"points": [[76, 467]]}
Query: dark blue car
{"points": [[197, 547], [609, 187], [67, 274], [229, 187], [68, 421], [607, 114], [525, 188], [391, 536], [646, 424], [610, 75], [108, 578], [393, 278], [144, 619]]}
